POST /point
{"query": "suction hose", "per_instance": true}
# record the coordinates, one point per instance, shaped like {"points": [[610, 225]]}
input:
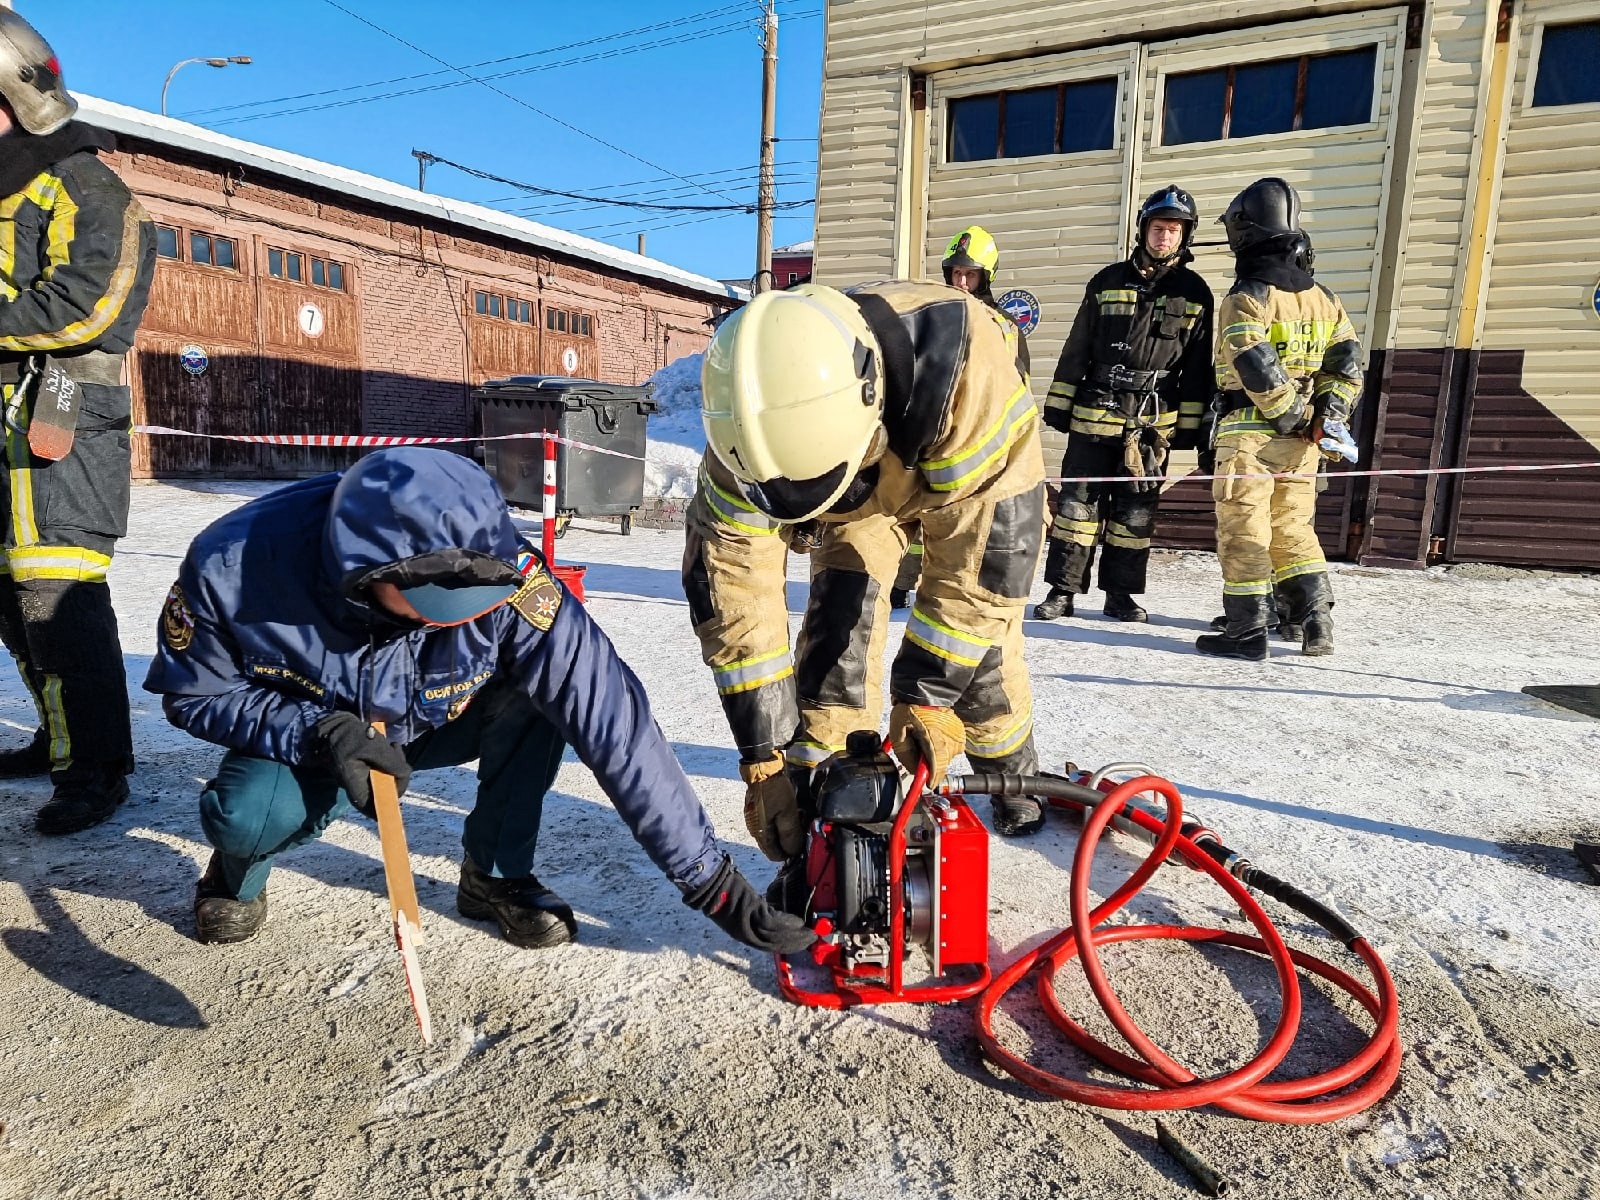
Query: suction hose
{"points": [[1349, 1088]]}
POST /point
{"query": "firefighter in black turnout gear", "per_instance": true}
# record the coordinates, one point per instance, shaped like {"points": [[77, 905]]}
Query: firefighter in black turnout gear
{"points": [[77, 253], [1133, 381]]}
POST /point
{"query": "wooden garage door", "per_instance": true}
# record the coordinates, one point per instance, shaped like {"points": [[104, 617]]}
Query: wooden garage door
{"points": [[1057, 211]]}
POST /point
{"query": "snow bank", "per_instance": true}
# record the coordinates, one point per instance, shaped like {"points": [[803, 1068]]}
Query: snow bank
{"points": [[677, 439]]}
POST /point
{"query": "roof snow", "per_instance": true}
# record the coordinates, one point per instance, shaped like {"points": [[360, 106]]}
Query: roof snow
{"points": [[181, 135]]}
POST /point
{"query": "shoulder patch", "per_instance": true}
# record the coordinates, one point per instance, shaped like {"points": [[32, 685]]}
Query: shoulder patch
{"points": [[538, 600], [177, 622]]}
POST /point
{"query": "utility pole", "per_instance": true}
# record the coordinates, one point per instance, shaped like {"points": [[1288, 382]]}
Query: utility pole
{"points": [[769, 120], [423, 159]]}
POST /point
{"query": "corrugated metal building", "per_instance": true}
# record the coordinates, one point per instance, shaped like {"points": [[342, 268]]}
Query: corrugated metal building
{"points": [[1447, 151], [297, 296]]}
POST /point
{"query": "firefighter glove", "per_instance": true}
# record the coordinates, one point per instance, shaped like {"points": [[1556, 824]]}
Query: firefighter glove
{"points": [[349, 748], [739, 910], [771, 808], [919, 733]]}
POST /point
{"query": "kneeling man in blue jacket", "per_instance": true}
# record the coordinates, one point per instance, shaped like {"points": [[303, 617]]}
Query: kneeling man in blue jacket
{"points": [[399, 591]]}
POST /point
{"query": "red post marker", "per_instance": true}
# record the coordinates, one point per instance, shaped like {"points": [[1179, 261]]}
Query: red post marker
{"points": [[548, 543]]}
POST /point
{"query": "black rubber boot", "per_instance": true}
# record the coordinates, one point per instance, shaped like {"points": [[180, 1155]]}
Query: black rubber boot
{"points": [[899, 598], [26, 762], [1288, 626], [1317, 633], [1309, 605], [1246, 634], [80, 804], [529, 914], [1057, 604], [1013, 816], [219, 918], [1121, 606]]}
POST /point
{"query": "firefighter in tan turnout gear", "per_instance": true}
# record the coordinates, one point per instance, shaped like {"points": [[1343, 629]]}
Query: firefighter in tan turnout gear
{"points": [[77, 254], [1133, 381], [1289, 369], [889, 404]]}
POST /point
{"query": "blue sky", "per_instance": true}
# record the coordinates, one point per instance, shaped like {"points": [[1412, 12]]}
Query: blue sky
{"points": [[688, 107]]}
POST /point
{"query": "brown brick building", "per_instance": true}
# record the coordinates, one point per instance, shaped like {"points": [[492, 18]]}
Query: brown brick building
{"points": [[295, 296]]}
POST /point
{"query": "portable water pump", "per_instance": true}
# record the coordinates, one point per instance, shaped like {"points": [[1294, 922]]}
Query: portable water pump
{"points": [[883, 877]]}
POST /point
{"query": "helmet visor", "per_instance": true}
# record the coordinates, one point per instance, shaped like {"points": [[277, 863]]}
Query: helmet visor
{"points": [[796, 499]]}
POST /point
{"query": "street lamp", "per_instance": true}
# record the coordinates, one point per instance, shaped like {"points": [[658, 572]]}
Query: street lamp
{"points": [[242, 59]]}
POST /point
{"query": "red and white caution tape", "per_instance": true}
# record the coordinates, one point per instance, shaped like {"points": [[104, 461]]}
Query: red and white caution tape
{"points": [[375, 440]]}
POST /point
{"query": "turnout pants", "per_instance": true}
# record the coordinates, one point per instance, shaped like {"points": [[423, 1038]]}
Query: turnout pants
{"points": [[963, 646], [1264, 526], [256, 808], [62, 521], [1118, 515]]}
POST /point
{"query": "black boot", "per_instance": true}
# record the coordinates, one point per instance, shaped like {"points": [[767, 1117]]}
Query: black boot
{"points": [[1013, 816], [1310, 611], [1057, 604], [1317, 634], [1288, 626], [81, 803], [788, 891], [219, 917], [529, 914], [25, 762], [1246, 634], [1120, 606], [899, 598]]}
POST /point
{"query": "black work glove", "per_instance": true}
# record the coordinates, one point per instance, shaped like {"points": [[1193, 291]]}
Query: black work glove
{"points": [[349, 749], [729, 900]]}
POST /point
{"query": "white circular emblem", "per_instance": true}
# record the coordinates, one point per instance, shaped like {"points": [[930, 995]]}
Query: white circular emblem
{"points": [[569, 360], [310, 320]]}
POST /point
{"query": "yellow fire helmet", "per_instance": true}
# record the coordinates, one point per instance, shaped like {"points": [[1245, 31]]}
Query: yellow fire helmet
{"points": [[792, 394], [972, 247]]}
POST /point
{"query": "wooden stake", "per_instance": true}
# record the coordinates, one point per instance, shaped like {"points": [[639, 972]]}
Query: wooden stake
{"points": [[402, 888]]}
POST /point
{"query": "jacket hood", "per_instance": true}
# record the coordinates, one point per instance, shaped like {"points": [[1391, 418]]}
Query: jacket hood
{"points": [[413, 515]]}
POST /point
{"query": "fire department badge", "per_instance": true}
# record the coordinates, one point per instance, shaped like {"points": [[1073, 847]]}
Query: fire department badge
{"points": [[539, 599], [177, 622]]}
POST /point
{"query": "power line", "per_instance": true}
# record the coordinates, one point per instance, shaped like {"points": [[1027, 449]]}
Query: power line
{"points": [[491, 62], [555, 207], [536, 189], [515, 100]]}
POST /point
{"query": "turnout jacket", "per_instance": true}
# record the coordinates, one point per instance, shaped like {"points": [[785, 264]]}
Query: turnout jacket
{"points": [[77, 251], [963, 460], [266, 632], [1139, 354], [1285, 358]]}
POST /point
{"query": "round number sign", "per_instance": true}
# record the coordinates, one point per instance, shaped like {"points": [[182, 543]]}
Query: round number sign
{"points": [[311, 320]]}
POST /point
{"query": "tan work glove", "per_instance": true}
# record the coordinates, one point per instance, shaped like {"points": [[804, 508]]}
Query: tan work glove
{"points": [[922, 734], [771, 809]]}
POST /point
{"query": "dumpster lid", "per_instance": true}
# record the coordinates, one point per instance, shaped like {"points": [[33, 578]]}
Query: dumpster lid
{"points": [[568, 391]]}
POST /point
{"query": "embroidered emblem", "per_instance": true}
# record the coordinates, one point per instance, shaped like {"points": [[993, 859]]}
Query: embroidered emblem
{"points": [[177, 622], [538, 600]]}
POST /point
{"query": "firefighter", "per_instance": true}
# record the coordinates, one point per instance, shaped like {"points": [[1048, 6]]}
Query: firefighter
{"points": [[76, 260], [871, 409], [970, 261], [1133, 381], [1289, 368], [400, 591]]}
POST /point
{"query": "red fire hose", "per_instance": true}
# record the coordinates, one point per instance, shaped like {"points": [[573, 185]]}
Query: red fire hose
{"points": [[1168, 1084]]}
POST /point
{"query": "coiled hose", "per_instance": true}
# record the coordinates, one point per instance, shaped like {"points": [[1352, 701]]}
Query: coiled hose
{"points": [[1167, 1083]]}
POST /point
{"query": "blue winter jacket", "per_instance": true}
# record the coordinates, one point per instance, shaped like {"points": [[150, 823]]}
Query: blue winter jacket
{"points": [[266, 632]]}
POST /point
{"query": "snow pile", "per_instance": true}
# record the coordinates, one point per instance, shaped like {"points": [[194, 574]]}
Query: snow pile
{"points": [[676, 437]]}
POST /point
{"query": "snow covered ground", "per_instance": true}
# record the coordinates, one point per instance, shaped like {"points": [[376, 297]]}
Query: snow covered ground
{"points": [[676, 438], [1406, 778]]}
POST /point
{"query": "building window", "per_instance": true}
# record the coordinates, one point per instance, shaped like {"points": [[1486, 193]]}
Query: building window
{"points": [[563, 321], [1567, 58], [1314, 91], [327, 273], [284, 264], [212, 251], [520, 311], [794, 278], [167, 242], [1063, 118], [488, 304]]}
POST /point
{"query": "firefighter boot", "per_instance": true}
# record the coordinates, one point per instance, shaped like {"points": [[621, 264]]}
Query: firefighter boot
{"points": [[1121, 606], [1014, 816], [1310, 606], [529, 914], [1057, 604], [25, 762], [1246, 634], [1287, 627], [220, 917], [80, 802]]}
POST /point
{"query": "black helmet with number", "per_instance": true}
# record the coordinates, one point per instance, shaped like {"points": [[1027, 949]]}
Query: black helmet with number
{"points": [[1265, 213], [1174, 204], [30, 77]]}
